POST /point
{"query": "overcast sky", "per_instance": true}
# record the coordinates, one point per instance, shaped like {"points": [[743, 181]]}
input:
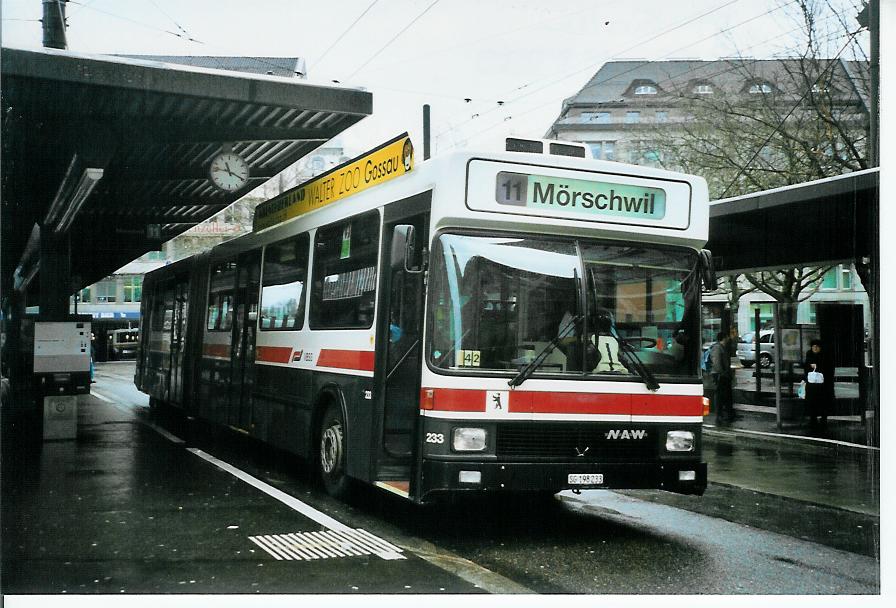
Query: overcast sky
{"points": [[516, 60]]}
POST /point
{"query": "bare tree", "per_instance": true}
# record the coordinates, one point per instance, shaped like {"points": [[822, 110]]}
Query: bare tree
{"points": [[783, 122]]}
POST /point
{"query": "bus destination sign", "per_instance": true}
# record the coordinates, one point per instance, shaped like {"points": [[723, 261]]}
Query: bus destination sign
{"points": [[560, 197], [391, 159]]}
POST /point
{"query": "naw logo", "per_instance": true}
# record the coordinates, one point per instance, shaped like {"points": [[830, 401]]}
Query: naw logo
{"points": [[626, 434]]}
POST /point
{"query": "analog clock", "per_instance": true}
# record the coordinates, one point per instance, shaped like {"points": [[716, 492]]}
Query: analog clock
{"points": [[229, 171]]}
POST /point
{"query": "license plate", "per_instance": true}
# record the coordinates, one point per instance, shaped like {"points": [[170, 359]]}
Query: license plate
{"points": [[584, 479]]}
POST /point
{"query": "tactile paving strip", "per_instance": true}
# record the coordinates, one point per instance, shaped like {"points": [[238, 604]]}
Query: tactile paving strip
{"points": [[325, 545]]}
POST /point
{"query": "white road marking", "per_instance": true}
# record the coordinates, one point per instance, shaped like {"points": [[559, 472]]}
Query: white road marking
{"points": [[291, 501], [101, 397], [724, 431], [165, 434]]}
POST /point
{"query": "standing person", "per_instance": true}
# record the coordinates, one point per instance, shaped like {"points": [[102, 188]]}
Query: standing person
{"points": [[819, 395], [720, 369]]}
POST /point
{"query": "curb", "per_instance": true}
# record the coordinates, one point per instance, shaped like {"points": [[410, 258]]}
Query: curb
{"points": [[822, 442]]}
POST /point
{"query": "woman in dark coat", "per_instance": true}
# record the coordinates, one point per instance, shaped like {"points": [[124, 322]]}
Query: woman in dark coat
{"points": [[819, 397]]}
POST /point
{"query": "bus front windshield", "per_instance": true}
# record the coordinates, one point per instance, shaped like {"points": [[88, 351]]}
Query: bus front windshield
{"points": [[580, 308]]}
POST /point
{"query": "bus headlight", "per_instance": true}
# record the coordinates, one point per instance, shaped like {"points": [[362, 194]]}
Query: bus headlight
{"points": [[679, 441], [465, 439]]}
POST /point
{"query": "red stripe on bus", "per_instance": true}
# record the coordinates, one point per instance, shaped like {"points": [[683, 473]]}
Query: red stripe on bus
{"points": [[273, 354], [456, 400], [346, 359], [667, 405], [216, 350], [570, 403], [531, 402]]}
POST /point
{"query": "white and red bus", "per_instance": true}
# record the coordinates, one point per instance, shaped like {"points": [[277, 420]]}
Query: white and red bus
{"points": [[509, 321]]}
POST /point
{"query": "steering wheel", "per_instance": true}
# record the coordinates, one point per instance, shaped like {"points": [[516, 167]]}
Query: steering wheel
{"points": [[649, 342]]}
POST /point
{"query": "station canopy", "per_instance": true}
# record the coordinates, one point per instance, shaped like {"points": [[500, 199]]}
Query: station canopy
{"points": [[829, 220], [111, 155]]}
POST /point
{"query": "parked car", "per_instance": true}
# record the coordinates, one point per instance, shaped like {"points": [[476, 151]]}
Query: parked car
{"points": [[746, 348]]}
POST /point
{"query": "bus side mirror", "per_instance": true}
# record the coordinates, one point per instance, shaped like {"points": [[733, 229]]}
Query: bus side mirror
{"points": [[708, 270], [403, 251]]}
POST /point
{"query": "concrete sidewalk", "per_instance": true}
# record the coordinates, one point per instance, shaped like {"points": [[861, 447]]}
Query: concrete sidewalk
{"points": [[834, 467]]}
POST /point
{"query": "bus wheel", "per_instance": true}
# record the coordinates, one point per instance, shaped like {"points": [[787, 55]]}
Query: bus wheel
{"points": [[331, 459]]}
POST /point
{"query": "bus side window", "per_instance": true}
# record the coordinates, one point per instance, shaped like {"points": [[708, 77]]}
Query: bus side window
{"points": [[344, 274], [221, 286], [283, 284]]}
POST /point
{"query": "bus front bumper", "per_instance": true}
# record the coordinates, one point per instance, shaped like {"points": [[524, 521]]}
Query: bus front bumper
{"points": [[679, 476]]}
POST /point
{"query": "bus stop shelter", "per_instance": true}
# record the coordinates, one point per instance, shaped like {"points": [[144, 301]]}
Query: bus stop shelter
{"points": [[104, 158], [827, 221]]}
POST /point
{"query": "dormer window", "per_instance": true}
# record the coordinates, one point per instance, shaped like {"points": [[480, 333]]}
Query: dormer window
{"points": [[702, 89], [645, 89], [761, 88]]}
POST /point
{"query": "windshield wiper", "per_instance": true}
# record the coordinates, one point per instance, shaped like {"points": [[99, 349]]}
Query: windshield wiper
{"points": [[530, 367], [627, 352]]}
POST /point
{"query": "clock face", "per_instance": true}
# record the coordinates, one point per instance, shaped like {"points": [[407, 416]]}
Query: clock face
{"points": [[229, 171]]}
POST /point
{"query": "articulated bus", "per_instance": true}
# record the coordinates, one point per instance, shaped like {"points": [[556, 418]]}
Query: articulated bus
{"points": [[491, 322]]}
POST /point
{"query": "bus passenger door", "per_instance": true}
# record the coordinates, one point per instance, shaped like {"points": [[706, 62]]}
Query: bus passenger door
{"points": [[245, 316], [403, 337], [177, 341]]}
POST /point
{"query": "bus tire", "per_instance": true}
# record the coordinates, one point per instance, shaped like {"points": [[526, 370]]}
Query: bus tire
{"points": [[331, 453]]}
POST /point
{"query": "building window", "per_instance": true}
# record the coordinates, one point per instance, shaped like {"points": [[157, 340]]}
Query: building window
{"points": [[651, 155], [133, 289], [845, 277], [830, 279], [662, 116], [84, 295], [760, 87], [702, 89], [601, 118], [153, 256], [610, 150], [105, 291], [603, 149], [766, 315], [283, 285], [632, 118], [645, 89]]}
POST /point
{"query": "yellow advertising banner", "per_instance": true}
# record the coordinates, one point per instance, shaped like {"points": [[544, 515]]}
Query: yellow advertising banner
{"points": [[387, 161]]}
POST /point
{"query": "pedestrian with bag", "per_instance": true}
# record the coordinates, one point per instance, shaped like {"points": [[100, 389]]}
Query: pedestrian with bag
{"points": [[818, 372]]}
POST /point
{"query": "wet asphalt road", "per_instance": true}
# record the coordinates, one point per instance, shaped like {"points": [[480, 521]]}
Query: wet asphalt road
{"points": [[176, 534]]}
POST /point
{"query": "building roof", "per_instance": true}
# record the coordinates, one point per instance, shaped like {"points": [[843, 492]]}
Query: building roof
{"points": [[272, 66], [613, 81]]}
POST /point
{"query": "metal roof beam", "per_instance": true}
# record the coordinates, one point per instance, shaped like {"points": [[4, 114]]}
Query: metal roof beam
{"points": [[166, 131]]}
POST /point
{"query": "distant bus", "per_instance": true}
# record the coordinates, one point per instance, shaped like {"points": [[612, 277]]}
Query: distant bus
{"points": [[485, 322], [123, 344]]}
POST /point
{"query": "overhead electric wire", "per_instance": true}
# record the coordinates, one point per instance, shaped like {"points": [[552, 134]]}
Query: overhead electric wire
{"points": [[347, 30], [633, 68], [592, 65], [135, 22], [393, 39], [161, 10]]}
